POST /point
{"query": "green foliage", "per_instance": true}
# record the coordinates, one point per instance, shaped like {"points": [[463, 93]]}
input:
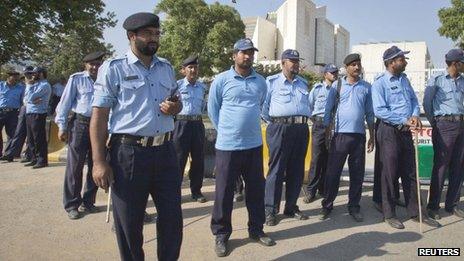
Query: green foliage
{"points": [[311, 77], [54, 33], [267, 70], [194, 27], [452, 20]]}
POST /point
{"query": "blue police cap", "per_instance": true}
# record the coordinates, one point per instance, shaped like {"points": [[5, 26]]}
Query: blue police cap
{"points": [[352, 57], [291, 55], [393, 52], [98, 55], [330, 67], [28, 69], [141, 20], [244, 44], [192, 59], [455, 55]]}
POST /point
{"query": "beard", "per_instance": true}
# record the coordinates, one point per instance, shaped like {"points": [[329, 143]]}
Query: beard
{"points": [[145, 48]]}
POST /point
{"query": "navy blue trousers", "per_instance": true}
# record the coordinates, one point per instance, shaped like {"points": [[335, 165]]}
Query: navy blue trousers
{"points": [[37, 137], [9, 120], [343, 146], [189, 138], [79, 151], [377, 190], [319, 155], [448, 146], [287, 145], [229, 165], [16, 144], [140, 171], [397, 155]]}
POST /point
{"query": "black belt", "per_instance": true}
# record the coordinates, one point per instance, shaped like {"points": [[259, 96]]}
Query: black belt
{"points": [[452, 118], [148, 141], [188, 117], [400, 127], [290, 119], [82, 118], [317, 119], [8, 109]]}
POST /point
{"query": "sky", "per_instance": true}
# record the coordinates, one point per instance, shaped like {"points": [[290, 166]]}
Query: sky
{"points": [[366, 20]]}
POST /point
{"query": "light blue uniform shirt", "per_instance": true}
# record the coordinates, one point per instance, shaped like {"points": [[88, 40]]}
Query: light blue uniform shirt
{"points": [[354, 107], [134, 93], [77, 96], [11, 96], [444, 96], [234, 107], [58, 89], [394, 99], [192, 97], [40, 89], [285, 98], [318, 99]]}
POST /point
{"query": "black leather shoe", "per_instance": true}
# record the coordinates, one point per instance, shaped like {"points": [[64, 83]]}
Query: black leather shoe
{"points": [[378, 207], [457, 212], [220, 248], [238, 197], [199, 198], [25, 160], [263, 239], [30, 164], [426, 220], [6, 158], [74, 214], [271, 220], [297, 214], [433, 214], [39, 166], [394, 223], [310, 198], [357, 216], [88, 209], [324, 214]]}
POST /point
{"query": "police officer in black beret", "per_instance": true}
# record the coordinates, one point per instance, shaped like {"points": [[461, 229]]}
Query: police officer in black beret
{"points": [[189, 131]]}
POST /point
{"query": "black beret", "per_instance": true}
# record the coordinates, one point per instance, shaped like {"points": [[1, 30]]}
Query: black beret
{"points": [[98, 55], [28, 69], [39, 69], [12, 72], [140, 20], [352, 58], [192, 59]]}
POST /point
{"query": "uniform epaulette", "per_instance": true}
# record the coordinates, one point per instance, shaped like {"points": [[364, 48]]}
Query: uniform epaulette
{"points": [[272, 77], [302, 79], [318, 84], [76, 74], [164, 60], [378, 76]]}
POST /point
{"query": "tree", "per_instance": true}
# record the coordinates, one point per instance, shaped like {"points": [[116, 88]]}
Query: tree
{"points": [[41, 31], [194, 27], [452, 22]]}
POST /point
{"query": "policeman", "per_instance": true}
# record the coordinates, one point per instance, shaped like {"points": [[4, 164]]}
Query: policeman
{"points": [[319, 153], [11, 95], [189, 131], [77, 97], [57, 92], [139, 89], [37, 96], [395, 104], [14, 147], [234, 107], [286, 109], [443, 105], [349, 105]]}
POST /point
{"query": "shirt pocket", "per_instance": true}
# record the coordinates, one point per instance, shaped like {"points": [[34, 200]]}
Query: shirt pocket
{"points": [[129, 89], [283, 96], [84, 88], [396, 95], [303, 96], [167, 88]]}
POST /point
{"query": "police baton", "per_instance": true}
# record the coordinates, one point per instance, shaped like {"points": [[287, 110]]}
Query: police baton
{"points": [[416, 144], [108, 205]]}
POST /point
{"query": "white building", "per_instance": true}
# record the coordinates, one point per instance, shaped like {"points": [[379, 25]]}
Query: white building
{"points": [[419, 66], [300, 25]]}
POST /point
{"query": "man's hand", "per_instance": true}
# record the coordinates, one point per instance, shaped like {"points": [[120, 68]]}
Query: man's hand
{"points": [[62, 136], [370, 145], [414, 122], [37, 101], [102, 175], [170, 107]]}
